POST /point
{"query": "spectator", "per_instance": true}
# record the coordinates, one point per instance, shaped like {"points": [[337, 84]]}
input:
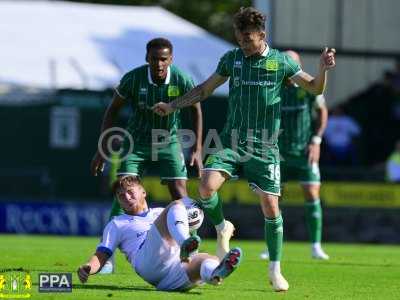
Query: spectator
{"points": [[393, 165], [339, 135]]}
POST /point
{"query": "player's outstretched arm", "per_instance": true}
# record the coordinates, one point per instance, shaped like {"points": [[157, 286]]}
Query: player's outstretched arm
{"points": [[316, 85], [321, 120], [199, 93], [95, 263], [110, 116]]}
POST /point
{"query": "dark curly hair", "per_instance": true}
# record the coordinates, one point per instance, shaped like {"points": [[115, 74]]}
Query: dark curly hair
{"points": [[249, 18]]}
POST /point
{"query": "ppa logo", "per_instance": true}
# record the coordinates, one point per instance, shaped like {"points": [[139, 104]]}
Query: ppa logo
{"points": [[55, 282]]}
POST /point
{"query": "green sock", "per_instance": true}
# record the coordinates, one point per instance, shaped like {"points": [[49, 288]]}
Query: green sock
{"points": [[313, 214], [213, 208], [273, 229], [116, 209]]}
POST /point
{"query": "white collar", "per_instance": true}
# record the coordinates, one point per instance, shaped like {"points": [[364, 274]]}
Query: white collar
{"points": [[167, 79], [265, 52]]}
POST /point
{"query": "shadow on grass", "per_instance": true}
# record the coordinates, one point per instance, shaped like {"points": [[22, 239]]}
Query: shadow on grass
{"points": [[126, 288]]}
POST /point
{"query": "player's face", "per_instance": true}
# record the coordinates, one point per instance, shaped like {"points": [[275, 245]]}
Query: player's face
{"points": [[159, 61], [250, 41], [132, 199]]}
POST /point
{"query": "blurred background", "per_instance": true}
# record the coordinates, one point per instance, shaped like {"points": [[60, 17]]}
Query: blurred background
{"points": [[61, 59]]}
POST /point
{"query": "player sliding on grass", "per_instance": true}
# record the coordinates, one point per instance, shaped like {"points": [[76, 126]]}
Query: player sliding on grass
{"points": [[157, 243], [256, 75], [299, 145]]}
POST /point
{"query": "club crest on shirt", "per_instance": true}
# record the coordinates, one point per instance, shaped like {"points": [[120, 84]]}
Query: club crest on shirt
{"points": [[142, 91], [173, 91], [271, 65]]}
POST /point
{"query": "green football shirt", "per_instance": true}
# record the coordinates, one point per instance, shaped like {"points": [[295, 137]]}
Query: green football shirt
{"points": [[297, 119], [254, 95], [138, 89]]}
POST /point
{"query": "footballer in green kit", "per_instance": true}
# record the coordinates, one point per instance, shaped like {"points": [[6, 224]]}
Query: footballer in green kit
{"points": [[152, 140], [299, 146], [256, 74]]}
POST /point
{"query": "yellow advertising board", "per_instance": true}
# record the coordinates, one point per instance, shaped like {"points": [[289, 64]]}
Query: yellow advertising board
{"points": [[334, 194]]}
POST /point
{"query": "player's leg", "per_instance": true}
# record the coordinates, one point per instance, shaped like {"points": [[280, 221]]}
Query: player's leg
{"points": [[218, 168], [273, 229], [177, 188], [207, 268], [173, 226], [172, 169], [211, 204], [310, 180], [313, 216], [264, 179]]}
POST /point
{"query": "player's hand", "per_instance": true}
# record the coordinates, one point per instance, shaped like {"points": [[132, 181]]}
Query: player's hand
{"points": [[84, 272], [314, 151], [97, 164], [327, 60], [162, 108], [196, 160]]}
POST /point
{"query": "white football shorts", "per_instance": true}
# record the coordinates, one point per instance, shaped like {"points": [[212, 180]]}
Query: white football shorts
{"points": [[158, 263]]}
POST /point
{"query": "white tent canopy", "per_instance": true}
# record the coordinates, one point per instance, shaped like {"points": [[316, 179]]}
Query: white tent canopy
{"points": [[50, 44]]}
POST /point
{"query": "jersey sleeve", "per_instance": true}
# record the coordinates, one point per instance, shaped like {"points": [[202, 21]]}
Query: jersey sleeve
{"points": [[189, 85], [110, 239], [223, 65], [156, 212], [125, 87], [292, 68]]}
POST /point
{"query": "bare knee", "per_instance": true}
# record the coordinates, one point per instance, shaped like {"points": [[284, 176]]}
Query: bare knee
{"points": [[311, 192], [206, 191]]}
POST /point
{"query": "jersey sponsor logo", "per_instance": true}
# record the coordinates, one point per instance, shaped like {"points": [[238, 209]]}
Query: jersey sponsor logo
{"points": [[139, 234], [258, 83], [173, 91], [271, 65], [294, 108], [237, 64], [142, 91]]}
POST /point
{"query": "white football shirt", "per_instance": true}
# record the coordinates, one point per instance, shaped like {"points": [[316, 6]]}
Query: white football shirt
{"points": [[128, 232]]}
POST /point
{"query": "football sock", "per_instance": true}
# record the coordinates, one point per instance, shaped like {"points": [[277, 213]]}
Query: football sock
{"points": [[206, 269], [178, 223], [213, 209], [313, 213], [116, 209], [273, 229], [274, 267]]}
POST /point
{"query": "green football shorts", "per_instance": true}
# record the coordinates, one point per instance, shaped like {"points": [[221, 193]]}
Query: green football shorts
{"points": [[167, 160], [261, 173], [297, 168]]}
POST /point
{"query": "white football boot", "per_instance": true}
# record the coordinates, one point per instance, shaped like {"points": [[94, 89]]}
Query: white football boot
{"points": [[318, 253]]}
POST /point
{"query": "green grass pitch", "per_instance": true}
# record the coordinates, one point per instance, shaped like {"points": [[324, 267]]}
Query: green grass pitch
{"points": [[354, 271]]}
